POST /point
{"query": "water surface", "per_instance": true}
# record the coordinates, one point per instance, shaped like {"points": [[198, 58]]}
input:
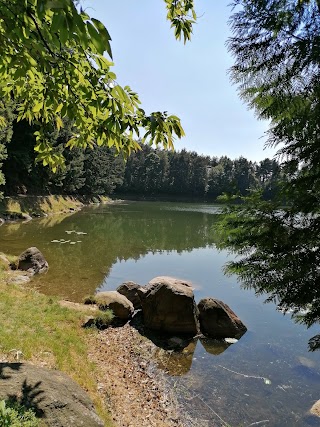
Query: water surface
{"points": [[268, 377]]}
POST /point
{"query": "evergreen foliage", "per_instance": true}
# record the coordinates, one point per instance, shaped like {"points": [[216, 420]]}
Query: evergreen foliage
{"points": [[277, 67], [148, 172]]}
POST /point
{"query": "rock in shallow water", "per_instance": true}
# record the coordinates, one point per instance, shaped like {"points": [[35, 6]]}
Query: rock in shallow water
{"points": [[32, 260], [217, 320], [168, 306], [315, 410]]}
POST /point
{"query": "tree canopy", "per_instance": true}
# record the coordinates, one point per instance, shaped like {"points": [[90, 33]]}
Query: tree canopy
{"points": [[276, 46], [56, 63]]}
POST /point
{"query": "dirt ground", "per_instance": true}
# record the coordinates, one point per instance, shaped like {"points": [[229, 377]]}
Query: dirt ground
{"points": [[138, 394]]}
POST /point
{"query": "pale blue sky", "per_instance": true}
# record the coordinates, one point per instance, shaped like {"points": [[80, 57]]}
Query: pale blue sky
{"points": [[190, 80]]}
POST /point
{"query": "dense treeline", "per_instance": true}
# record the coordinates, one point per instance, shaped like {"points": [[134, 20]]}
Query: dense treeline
{"points": [[148, 172], [186, 173]]}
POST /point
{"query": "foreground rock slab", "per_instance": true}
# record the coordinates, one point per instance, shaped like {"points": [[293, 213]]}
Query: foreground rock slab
{"points": [[54, 397], [119, 304], [217, 320], [33, 261], [168, 306]]}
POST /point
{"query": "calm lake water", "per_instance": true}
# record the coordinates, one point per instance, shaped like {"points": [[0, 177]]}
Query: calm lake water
{"points": [[267, 378]]}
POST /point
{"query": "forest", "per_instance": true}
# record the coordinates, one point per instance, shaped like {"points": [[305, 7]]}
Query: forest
{"points": [[147, 172]]}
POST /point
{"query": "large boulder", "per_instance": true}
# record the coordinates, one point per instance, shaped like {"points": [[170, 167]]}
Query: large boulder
{"points": [[33, 261], [119, 304], [217, 320], [130, 291], [168, 306], [53, 396]]}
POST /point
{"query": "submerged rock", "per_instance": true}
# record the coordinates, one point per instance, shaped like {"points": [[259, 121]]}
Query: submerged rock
{"points": [[119, 304], [168, 306], [217, 320], [315, 410], [19, 279], [130, 291], [33, 261], [176, 363], [53, 396]]}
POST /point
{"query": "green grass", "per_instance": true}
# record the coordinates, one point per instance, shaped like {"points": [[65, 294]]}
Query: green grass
{"points": [[44, 332]]}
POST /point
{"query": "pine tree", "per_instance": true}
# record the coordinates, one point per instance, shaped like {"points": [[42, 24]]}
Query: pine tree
{"points": [[277, 67]]}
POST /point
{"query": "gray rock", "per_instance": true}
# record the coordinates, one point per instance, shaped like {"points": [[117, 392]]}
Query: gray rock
{"points": [[168, 306], [217, 320], [119, 304], [19, 279], [130, 291], [54, 397], [170, 280], [32, 260]]}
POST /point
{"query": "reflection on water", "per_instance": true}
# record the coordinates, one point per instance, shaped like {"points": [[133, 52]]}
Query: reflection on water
{"points": [[214, 347], [216, 381], [178, 362]]}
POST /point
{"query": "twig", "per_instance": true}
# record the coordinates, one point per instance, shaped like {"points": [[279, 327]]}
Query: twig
{"points": [[259, 422], [266, 380]]}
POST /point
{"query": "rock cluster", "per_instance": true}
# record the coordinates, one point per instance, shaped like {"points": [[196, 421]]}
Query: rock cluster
{"points": [[32, 261], [168, 306]]}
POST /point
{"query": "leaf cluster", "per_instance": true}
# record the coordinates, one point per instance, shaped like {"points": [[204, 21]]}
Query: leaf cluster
{"points": [[15, 415], [53, 66]]}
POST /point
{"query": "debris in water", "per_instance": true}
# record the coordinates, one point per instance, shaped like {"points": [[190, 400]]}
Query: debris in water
{"points": [[231, 340], [265, 380]]}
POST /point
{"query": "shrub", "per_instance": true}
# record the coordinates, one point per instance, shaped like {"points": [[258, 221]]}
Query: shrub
{"points": [[15, 415]]}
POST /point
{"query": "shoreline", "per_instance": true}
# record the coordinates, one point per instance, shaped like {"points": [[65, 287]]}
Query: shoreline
{"points": [[115, 366], [138, 393], [25, 208]]}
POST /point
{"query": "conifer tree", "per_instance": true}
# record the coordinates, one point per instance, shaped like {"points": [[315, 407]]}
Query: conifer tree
{"points": [[276, 46]]}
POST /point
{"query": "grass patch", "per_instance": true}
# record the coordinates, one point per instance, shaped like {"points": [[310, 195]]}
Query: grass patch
{"points": [[35, 327]]}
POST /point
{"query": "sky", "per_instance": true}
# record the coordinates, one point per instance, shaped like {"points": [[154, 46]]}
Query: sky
{"points": [[190, 81]]}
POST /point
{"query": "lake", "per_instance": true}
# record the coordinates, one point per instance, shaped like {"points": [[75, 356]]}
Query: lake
{"points": [[267, 378]]}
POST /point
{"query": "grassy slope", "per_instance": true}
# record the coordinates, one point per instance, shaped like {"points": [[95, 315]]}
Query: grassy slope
{"points": [[46, 334]]}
